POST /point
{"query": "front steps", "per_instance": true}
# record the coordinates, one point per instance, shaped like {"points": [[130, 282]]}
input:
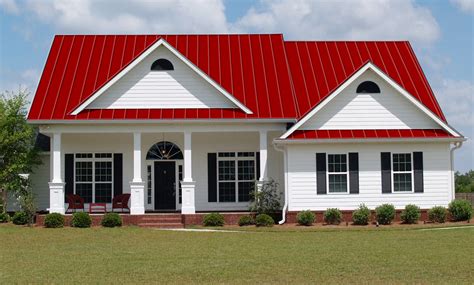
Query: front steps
{"points": [[167, 221]]}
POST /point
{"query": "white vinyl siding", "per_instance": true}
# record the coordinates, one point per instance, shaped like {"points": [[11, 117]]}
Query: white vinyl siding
{"points": [[143, 88], [302, 176], [385, 110]]}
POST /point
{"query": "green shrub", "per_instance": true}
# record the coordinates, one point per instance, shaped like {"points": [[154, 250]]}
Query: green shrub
{"points": [[213, 220], [54, 220], [305, 218], [460, 210], [361, 216], [4, 218], [246, 221], [267, 199], [385, 214], [333, 216], [81, 220], [411, 214], [264, 220], [111, 220], [437, 214], [20, 218]]}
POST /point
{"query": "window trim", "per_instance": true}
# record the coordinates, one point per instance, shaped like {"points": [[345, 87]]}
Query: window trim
{"points": [[402, 172], [236, 159], [346, 172], [93, 160]]}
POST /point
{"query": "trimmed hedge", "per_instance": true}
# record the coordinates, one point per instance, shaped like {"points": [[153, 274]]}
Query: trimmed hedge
{"points": [[4, 218], [460, 210], [264, 220], [305, 218], [20, 218], [81, 220], [111, 220], [333, 216], [361, 216], [246, 221], [213, 220], [385, 214], [437, 214], [411, 214], [54, 220]]}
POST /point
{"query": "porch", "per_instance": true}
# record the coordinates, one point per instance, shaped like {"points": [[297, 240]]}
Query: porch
{"points": [[163, 168]]}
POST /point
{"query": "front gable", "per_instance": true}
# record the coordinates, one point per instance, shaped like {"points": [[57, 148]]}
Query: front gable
{"points": [[385, 110], [392, 108], [139, 87]]}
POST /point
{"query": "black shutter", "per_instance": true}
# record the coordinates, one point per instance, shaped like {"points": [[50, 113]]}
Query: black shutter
{"points": [[386, 167], [320, 173], [354, 173], [212, 177], [118, 174], [258, 165], [418, 171], [69, 173]]}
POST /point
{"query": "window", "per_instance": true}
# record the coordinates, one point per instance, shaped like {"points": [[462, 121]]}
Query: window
{"points": [[180, 179], [162, 64], [164, 150], [93, 177], [236, 176], [148, 184], [368, 87], [337, 173], [402, 172]]}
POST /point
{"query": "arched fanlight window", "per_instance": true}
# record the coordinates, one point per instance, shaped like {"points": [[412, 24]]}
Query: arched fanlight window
{"points": [[164, 150], [162, 64], [368, 87]]}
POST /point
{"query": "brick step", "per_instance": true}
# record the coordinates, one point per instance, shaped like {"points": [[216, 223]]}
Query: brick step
{"points": [[162, 225]]}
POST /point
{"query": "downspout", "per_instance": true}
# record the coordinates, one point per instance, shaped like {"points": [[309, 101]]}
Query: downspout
{"points": [[285, 167], [453, 185]]}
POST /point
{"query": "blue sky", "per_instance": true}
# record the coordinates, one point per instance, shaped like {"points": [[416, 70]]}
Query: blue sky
{"points": [[441, 33]]}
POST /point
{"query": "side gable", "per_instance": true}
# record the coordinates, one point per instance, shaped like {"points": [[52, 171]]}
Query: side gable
{"points": [[138, 77], [393, 108], [180, 88]]}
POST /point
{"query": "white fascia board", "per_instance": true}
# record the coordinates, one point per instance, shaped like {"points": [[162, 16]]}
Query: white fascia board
{"points": [[392, 83], [143, 56], [368, 140]]}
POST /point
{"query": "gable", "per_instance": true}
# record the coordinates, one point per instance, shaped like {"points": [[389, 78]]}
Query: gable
{"points": [[142, 88], [385, 110]]}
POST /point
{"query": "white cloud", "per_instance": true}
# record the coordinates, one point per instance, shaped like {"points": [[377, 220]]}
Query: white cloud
{"points": [[348, 20], [464, 5], [140, 16], [9, 6]]}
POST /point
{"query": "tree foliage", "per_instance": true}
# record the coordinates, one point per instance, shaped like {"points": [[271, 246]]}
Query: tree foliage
{"points": [[17, 149], [267, 200], [464, 182]]}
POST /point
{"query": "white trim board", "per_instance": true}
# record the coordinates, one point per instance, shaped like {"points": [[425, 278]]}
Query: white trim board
{"points": [[390, 81], [147, 52]]}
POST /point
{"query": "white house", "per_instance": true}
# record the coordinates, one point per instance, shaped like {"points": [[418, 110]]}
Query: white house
{"points": [[190, 123]]}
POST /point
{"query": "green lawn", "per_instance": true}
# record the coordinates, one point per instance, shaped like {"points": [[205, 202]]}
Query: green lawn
{"points": [[279, 255]]}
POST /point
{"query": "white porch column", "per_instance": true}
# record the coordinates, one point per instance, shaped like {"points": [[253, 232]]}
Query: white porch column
{"points": [[263, 159], [56, 186], [188, 185], [137, 186]]}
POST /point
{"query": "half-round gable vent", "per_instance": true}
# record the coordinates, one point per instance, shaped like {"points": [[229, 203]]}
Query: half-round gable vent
{"points": [[368, 87], [162, 64]]}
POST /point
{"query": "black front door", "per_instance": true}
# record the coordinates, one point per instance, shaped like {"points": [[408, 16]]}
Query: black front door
{"points": [[165, 188]]}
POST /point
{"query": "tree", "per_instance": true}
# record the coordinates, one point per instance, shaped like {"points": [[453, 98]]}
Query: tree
{"points": [[17, 144], [464, 182]]}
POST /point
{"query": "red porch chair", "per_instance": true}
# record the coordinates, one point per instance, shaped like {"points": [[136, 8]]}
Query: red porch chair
{"points": [[121, 202], [75, 202]]}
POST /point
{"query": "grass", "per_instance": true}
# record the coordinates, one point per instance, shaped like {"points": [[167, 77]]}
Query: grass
{"points": [[268, 256]]}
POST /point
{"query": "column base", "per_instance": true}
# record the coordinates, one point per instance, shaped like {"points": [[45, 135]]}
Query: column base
{"points": [[137, 198], [56, 197], [188, 189]]}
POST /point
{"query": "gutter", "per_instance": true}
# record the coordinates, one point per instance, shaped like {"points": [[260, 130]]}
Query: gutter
{"points": [[453, 185], [285, 170]]}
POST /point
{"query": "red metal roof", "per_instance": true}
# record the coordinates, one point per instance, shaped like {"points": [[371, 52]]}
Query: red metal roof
{"points": [[369, 134], [255, 69]]}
